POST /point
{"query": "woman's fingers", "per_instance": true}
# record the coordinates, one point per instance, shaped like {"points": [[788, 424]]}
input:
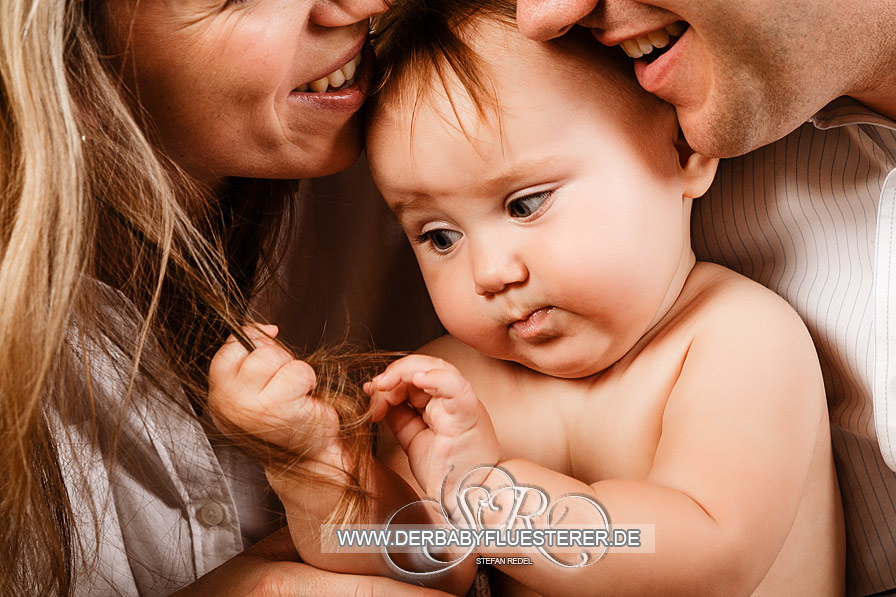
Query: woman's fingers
{"points": [[292, 378], [228, 360], [267, 393], [260, 365], [270, 568]]}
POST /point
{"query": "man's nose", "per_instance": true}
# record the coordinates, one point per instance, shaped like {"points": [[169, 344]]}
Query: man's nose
{"points": [[546, 19]]}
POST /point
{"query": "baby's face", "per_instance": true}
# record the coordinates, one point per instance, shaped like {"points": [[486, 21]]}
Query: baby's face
{"points": [[557, 240]]}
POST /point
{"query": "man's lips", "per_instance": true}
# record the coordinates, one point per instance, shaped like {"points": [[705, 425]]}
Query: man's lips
{"points": [[653, 43], [661, 76]]}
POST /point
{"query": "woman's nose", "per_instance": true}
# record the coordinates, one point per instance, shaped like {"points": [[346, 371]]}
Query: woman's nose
{"points": [[546, 19], [493, 271], [340, 13]]}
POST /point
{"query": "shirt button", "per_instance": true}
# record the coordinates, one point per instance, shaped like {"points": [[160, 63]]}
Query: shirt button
{"points": [[211, 514]]}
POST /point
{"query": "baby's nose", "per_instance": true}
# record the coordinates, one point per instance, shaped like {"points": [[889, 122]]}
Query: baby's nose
{"points": [[493, 273]]}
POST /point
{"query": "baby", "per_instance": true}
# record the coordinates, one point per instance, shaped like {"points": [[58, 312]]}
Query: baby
{"points": [[548, 201]]}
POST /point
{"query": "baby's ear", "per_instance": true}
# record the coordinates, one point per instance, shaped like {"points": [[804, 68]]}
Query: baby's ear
{"points": [[697, 171]]}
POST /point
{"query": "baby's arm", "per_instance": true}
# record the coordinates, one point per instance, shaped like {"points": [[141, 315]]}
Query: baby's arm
{"points": [[739, 432], [266, 394]]}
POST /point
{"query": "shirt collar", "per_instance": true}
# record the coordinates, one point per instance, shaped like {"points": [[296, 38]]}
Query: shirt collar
{"points": [[845, 110]]}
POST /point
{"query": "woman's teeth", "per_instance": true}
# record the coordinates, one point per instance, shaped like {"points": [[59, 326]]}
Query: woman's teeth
{"points": [[641, 46], [334, 80]]}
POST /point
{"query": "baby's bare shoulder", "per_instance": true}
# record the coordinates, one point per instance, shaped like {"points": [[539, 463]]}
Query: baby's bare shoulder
{"points": [[449, 348], [740, 327], [719, 300], [477, 367]]}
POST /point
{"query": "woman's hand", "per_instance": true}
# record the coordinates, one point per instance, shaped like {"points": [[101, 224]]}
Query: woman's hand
{"points": [[436, 419], [266, 393], [271, 568]]}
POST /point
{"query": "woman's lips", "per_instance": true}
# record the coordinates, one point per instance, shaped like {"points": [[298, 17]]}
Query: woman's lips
{"points": [[348, 97], [538, 325]]}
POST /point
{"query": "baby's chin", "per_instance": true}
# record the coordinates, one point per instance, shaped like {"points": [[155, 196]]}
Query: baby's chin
{"points": [[563, 357], [566, 372], [564, 368]]}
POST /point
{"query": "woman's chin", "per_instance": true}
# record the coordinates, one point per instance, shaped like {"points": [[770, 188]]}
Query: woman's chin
{"points": [[333, 155], [314, 160], [339, 162]]}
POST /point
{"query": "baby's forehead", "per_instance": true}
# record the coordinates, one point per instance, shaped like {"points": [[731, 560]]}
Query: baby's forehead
{"points": [[499, 67], [494, 97]]}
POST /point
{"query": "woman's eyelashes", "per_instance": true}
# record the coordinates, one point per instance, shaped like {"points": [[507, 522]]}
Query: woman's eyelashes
{"points": [[440, 240], [528, 205]]}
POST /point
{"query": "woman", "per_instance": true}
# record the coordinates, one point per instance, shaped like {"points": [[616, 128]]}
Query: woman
{"points": [[140, 145]]}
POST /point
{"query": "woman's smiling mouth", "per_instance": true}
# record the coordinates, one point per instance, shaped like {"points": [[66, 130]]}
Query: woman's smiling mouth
{"points": [[344, 89], [343, 76]]}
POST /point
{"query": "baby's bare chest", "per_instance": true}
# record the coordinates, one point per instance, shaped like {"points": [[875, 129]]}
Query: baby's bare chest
{"points": [[608, 427]]}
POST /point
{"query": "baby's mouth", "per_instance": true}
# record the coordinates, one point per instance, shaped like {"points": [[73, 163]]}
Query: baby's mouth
{"points": [[339, 79], [652, 45]]}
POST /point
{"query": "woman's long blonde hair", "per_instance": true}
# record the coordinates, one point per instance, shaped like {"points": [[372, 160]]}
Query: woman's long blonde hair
{"points": [[85, 195]]}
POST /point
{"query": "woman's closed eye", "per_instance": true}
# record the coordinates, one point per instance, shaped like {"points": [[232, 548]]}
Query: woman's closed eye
{"points": [[440, 239], [528, 205]]}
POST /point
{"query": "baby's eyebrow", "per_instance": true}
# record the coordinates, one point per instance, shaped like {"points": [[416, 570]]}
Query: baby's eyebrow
{"points": [[400, 210], [522, 171], [403, 208]]}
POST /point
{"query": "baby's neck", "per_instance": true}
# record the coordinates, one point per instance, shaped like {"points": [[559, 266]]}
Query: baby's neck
{"points": [[685, 266]]}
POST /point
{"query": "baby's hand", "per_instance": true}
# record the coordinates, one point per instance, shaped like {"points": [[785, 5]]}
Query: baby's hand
{"points": [[436, 418], [266, 393]]}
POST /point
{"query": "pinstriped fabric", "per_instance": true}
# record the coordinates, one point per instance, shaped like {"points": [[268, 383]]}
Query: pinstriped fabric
{"points": [[801, 217]]}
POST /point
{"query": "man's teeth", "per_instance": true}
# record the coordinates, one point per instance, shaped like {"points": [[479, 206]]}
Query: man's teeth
{"points": [[641, 46], [335, 79]]}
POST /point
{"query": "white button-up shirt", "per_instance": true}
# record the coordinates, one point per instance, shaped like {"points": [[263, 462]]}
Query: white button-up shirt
{"points": [[156, 504], [813, 217]]}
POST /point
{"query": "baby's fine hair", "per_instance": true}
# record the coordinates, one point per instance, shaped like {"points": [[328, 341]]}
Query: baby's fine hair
{"points": [[419, 42], [427, 47]]}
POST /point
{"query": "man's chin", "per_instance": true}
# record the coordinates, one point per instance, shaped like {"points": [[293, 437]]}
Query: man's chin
{"points": [[734, 132], [722, 138]]}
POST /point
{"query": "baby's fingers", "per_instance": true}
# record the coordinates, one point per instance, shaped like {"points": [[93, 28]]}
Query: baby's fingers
{"points": [[403, 370], [448, 384], [381, 400], [406, 424]]}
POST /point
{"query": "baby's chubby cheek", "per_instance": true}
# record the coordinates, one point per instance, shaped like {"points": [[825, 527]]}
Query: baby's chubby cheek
{"points": [[469, 325]]}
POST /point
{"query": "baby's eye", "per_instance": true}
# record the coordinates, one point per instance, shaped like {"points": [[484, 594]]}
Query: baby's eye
{"points": [[441, 239], [524, 207]]}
